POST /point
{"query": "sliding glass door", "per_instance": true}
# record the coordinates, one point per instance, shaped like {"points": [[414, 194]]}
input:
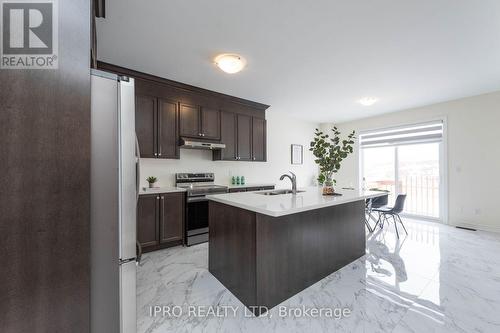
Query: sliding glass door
{"points": [[418, 173], [406, 161]]}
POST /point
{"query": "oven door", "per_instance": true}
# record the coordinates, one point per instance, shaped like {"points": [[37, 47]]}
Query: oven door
{"points": [[196, 220]]}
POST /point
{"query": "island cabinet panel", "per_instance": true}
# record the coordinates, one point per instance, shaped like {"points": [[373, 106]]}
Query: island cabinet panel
{"points": [[168, 144], [231, 243], [210, 123], [171, 217], [189, 121], [264, 260], [258, 139], [244, 138], [160, 220], [306, 247], [146, 125]]}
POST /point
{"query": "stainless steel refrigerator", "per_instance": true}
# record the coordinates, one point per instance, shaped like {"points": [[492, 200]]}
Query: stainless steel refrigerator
{"points": [[114, 194]]}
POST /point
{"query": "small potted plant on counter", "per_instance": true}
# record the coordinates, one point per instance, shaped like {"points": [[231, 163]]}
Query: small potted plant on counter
{"points": [[152, 181], [329, 153]]}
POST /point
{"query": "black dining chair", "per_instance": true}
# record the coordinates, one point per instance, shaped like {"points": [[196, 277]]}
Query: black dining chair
{"points": [[393, 212], [371, 205]]}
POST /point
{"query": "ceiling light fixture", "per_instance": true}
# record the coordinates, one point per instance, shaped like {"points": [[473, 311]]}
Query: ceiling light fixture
{"points": [[230, 63], [367, 101]]}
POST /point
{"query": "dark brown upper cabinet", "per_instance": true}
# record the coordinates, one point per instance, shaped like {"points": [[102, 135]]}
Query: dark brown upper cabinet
{"points": [[210, 123], [167, 110], [228, 137], [146, 125], [244, 137], [168, 145], [259, 139], [189, 124], [199, 122], [156, 122]]}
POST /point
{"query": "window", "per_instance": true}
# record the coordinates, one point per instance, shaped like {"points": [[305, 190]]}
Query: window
{"points": [[406, 160]]}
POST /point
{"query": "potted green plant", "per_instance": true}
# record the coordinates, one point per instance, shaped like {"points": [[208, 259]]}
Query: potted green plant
{"points": [[152, 181], [329, 153], [321, 179]]}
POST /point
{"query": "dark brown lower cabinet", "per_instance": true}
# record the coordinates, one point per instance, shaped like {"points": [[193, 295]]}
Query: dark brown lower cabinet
{"points": [[160, 220], [147, 220], [171, 217]]}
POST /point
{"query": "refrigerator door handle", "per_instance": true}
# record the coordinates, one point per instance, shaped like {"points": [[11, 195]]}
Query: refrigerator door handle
{"points": [[138, 167]]}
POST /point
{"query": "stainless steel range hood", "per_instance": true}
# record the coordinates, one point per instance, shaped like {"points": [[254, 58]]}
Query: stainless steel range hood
{"points": [[193, 144]]}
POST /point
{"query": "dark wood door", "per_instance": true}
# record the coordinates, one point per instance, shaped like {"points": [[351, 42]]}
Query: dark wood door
{"points": [[227, 136], [171, 217], [147, 220], [45, 162], [146, 125], [168, 146], [210, 124], [189, 124], [244, 137], [258, 139]]}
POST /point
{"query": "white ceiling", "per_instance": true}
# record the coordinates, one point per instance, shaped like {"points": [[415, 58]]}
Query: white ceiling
{"points": [[314, 59]]}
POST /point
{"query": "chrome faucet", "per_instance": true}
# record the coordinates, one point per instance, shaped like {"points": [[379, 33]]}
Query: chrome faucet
{"points": [[293, 179]]}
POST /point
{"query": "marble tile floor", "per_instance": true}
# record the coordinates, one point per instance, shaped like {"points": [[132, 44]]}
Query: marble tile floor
{"points": [[437, 279]]}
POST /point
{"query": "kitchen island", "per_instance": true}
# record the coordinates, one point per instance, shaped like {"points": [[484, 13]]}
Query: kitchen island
{"points": [[267, 248]]}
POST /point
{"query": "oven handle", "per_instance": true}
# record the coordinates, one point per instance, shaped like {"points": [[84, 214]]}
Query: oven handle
{"points": [[196, 199]]}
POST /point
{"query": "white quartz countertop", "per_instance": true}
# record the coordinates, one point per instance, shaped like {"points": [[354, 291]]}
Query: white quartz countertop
{"points": [[231, 186], [158, 190], [286, 204]]}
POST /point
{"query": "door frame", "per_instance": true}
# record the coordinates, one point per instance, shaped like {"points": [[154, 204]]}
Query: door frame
{"points": [[443, 165]]}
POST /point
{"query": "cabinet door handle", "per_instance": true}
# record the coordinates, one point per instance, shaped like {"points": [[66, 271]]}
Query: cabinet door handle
{"points": [[202, 134], [254, 158], [156, 154], [157, 198]]}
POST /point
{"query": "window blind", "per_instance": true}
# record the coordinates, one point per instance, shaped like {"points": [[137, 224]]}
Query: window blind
{"points": [[411, 134]]}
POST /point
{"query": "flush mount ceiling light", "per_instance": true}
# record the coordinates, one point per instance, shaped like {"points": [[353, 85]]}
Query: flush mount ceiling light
{"points": [[230, 63], [367, 101]]}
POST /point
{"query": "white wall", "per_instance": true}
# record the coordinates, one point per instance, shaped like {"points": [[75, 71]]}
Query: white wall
{"points": [[473, 136], [282, 131]]}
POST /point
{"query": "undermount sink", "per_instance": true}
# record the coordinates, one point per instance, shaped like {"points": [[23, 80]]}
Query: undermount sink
{"points": [[278, 192]]}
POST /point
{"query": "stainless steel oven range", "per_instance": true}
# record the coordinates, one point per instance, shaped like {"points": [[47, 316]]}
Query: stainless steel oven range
{"points": [[197, 185]]}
